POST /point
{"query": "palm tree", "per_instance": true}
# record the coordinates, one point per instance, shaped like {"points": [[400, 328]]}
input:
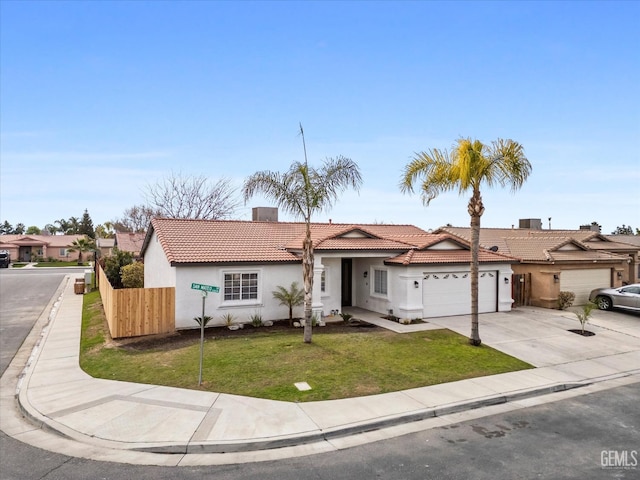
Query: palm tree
{"points": [[52, 229], [291, 298], [64, 226], [303, 191], [469, 165], [81, 245]]}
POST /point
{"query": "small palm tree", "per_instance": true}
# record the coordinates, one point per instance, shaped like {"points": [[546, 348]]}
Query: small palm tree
{"points": [[585, 315], [303, 191], [81, 245], [469, 165], [291, 298]]}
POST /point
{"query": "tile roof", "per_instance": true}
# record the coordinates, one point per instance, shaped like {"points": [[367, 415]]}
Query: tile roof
{"points": [[423, 257], [625, 239], [224, 241], [129, 242], [546, 245], [187, 241]]}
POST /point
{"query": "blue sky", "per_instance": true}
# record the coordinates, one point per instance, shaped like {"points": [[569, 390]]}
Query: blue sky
{"points": [[100, 99]]}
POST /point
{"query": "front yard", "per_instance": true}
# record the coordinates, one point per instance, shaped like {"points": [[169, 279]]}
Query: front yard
{"points": [[266, 361]]}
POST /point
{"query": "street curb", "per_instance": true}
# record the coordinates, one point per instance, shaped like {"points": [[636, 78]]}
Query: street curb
{"points": [[50, 425]]}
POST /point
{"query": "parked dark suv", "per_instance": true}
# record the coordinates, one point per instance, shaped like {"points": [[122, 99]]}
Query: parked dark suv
{"points": [[5, 259]]}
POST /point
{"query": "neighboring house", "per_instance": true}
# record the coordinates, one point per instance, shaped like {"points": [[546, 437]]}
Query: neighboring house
{"points": [[398, 269], [31, 248], [130, 242], [629, 240], [557, 260], [105, 246]]}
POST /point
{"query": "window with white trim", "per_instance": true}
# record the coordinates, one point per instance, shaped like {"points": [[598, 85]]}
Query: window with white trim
{"points": [[63, 252], [323, 281], [380, 281], [241, 286]]}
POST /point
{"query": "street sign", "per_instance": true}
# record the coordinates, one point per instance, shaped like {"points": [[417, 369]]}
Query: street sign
{"points": [[205, 288]]}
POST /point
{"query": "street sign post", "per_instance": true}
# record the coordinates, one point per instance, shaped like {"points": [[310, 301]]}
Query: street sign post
{"points": [[205, 290]]}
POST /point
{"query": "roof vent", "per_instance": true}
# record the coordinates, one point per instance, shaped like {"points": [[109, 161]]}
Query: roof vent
{"points": [[264, 214], [494, 248]]}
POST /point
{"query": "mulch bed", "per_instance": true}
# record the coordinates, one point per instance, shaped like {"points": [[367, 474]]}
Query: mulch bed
{"points": [[183, 338], [586, 333]]}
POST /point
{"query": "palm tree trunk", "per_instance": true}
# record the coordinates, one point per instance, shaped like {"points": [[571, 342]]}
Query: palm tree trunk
{"points": [[307, 274], [475, 209]]}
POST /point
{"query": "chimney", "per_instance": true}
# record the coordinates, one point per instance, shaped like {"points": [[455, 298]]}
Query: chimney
{"points": [[531, 223], [264, 214]]}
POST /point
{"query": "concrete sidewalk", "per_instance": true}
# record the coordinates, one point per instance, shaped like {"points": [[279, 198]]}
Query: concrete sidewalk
{"points": [[137, 423]]}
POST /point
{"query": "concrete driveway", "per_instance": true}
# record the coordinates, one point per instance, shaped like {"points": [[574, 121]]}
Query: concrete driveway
{"points": [[541, 336]]}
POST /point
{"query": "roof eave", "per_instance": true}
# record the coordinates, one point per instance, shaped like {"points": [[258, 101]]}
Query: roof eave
{"points": [[233, 263]]}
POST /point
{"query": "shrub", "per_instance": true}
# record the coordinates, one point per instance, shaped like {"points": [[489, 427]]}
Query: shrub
{"points": [[565, 300], [228, 319], [113, 265], [132, 275], [256, 319], [198, 320], [346, 317]]}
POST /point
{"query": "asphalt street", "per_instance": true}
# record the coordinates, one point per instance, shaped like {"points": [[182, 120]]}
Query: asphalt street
{"points": [[567, 439]]}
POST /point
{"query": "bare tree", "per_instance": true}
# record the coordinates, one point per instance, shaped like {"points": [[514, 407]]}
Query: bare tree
{"points": [[185, 196], [135, 219]]}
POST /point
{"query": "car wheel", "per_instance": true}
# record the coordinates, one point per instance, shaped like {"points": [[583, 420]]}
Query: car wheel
{"points": [[604, 303]]}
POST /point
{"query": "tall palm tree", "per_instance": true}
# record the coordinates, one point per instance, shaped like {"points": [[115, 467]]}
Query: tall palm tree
{"points": [[81, 245], [303, 191], [469, 165]]}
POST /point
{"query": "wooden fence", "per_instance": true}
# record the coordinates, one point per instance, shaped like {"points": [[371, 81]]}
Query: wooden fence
{"points": [[133, 312]]}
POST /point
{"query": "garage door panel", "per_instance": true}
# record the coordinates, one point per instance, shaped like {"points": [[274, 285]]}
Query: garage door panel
{"points": [[581, 282], [449, 293]]}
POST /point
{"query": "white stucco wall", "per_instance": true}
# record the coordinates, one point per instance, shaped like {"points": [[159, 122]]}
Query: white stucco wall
{"points": [[330, 299], [158, 272], [189, 302], [404, 297]]}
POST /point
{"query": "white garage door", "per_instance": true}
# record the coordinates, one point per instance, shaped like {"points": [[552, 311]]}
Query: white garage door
{"points": [[581, 282], [449, 293]]}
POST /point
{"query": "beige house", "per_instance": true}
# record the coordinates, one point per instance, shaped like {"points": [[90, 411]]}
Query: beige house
{"points": [[552, 261], [31, 248]]}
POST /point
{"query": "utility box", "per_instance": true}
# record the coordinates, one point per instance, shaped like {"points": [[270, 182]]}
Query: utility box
{"points": [[87, 278]]}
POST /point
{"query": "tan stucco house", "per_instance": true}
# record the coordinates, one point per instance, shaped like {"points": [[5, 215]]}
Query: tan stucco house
{"points": [[551, 261], [31, 248]]}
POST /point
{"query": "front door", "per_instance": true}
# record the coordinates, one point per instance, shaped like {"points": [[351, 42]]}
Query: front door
{"points": [[24, 254], [347, 267]]}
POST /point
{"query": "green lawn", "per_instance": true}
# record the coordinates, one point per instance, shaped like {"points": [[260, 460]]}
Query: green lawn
{"points": [[267, 364]]}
